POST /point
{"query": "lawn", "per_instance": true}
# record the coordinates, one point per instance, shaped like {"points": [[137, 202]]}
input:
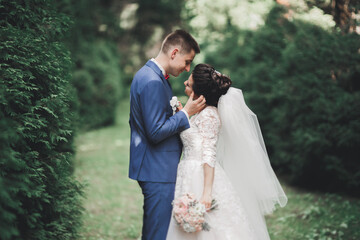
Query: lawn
{"points": [[113, 202]]}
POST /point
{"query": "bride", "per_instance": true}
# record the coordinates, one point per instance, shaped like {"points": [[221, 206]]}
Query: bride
{"points": [[224, 158]]}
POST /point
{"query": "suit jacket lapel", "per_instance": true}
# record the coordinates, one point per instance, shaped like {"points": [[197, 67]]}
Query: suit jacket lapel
{"points": [[157, 70]]}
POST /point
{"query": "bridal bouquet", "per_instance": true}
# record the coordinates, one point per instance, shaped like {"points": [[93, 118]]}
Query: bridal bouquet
{"points": [[189, 213]]}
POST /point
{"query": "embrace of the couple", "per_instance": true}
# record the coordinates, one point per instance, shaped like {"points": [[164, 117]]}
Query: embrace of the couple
{"points": [[224, 162]]}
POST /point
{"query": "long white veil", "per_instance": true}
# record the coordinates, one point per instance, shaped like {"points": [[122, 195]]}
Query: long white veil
{"points": [[241, 152]]}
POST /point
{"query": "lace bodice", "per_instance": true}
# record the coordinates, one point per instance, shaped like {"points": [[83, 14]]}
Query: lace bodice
{"points": [[200, 139]]}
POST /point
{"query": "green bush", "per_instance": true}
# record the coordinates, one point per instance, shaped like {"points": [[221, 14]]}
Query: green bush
{"points": [[319, 73], [302, 82], [97, 80], [96, 72], [39, 197]]}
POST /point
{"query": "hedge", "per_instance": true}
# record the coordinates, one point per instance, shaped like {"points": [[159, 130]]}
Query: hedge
{"points": [[39, 197]]}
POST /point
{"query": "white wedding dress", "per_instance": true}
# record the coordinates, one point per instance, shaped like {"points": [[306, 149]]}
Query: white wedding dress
{"points": [[230, 221]]}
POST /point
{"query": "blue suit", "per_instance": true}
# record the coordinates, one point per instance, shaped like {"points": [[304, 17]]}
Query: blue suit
{"points": [[155, 146]]}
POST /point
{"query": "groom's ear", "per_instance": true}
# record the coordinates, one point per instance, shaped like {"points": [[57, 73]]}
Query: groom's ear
{"points": [[174, 52]]}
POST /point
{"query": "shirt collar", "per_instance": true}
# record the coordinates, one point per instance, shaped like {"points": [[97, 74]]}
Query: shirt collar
{"points": [[159, 66]]}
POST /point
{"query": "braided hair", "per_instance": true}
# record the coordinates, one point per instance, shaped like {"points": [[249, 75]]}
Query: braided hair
{"points": [[210, 83]]}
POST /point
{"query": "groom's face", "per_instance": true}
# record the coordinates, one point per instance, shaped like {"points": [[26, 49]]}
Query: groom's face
{"points": [[181, 62]]}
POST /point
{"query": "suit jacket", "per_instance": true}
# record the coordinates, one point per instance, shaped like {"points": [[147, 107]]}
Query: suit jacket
{"points": [[155, 145]]}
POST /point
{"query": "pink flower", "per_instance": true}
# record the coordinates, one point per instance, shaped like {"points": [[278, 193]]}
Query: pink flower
{"points": [[198, 228]]}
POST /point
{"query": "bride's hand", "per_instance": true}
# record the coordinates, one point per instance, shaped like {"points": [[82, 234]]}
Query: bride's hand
{"points": [[206, 200]]}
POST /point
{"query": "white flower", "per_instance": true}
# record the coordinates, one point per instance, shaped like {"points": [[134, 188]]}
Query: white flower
{"points": [[197, 210], [188, 228], [200, 208], [174, 103]]}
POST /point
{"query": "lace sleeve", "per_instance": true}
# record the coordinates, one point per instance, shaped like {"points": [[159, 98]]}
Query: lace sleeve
{"points": [[209, 124]]}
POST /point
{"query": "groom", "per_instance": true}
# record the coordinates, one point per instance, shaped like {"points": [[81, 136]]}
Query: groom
{"points": [[155, 145]]}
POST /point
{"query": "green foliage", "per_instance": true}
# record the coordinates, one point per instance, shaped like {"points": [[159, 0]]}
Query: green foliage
{"points": [[39, 197], [302, 81], [97, 79], [96, 72], [152, 14]]}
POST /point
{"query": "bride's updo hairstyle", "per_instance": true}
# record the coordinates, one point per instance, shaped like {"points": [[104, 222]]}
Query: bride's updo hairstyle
{"points": [[209, 83]]}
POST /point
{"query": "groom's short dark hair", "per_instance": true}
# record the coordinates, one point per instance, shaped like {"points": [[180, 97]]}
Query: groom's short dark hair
{"points": [[181, 38]]}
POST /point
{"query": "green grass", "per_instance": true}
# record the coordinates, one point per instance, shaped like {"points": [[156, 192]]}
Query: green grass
{"points": [[113, 202], [315, 216]]}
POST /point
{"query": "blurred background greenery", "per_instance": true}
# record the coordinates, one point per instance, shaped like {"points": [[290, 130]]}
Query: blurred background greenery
{"points": [[296, 61], [66, 69]]}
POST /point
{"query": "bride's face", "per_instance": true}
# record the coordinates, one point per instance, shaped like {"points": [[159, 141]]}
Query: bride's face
{"points": [[188, 86]]}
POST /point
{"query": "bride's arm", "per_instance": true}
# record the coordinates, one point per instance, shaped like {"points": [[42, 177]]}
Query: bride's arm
{"points": [[209, 124], [208, 183]]}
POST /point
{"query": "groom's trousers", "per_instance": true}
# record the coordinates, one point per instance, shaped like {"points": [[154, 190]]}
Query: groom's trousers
{"points": [[157, 209]]}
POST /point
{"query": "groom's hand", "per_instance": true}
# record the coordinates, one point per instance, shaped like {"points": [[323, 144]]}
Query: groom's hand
{"points": [[194, 106], [179, 107]]}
